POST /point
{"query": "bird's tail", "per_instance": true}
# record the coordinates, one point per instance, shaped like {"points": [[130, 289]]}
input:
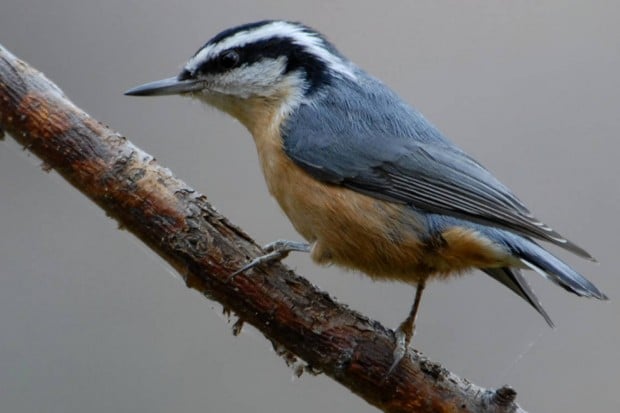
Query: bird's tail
{"points": [[535, 257], [544, 263]]}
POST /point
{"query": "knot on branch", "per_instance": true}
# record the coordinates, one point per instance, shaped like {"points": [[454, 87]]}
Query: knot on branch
{"points": [[504, 396]]}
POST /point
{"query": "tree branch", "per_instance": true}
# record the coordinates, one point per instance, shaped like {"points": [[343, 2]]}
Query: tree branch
{"points": [[205, 248]]}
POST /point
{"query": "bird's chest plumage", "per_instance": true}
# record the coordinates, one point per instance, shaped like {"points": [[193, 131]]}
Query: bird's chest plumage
{"points": [[346, 227], [353, 230], [293, 189]]}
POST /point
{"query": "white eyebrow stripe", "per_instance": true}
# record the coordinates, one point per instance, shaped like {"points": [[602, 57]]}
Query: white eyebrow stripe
{"points": [[298, 34]]}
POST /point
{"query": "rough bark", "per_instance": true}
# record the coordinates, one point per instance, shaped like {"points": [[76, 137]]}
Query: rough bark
{"points": [[183, 228]]}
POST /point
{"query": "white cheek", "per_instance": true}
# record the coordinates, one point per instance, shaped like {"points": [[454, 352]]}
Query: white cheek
{"points": [[294, 85], [258, 79]]}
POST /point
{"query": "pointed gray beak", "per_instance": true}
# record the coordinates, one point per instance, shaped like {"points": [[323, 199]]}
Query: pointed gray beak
{"points": [[170, 86]]}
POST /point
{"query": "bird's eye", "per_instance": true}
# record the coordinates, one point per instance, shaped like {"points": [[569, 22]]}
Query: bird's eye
{"points": [[228, 59]]}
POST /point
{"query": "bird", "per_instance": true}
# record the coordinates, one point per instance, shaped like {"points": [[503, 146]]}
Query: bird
{"points": [[363, 176]]}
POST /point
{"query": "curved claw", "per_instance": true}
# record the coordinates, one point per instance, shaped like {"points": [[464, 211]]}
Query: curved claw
{"points": [[276, 251], [274, 255], [400, 349]]}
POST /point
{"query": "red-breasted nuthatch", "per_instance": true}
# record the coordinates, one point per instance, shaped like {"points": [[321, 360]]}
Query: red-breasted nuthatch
{"points": [[364, 177]]}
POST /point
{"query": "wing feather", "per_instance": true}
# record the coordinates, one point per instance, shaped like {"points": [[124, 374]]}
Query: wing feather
{"points": [[394, 154]]}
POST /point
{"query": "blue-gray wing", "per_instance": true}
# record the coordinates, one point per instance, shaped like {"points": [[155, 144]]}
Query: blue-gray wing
{"points": [[408, 166]]}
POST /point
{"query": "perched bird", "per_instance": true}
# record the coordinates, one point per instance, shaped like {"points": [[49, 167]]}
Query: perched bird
{"points": [[364, 177]]}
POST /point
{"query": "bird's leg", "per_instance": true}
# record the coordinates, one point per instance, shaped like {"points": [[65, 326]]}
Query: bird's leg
{"points": [[404, 332], [276, 251]]}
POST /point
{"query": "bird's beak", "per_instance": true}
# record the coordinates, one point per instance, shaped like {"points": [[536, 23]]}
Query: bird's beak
{"points": [[170, 86]]}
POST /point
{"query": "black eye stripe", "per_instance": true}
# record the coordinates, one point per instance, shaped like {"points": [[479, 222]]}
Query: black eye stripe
{"points": [[229, 59], [297, 58]]}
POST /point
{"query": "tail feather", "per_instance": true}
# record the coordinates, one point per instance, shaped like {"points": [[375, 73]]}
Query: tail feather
{"points": [[525, 253], [561, 274], [534, 257], [513, 279]]}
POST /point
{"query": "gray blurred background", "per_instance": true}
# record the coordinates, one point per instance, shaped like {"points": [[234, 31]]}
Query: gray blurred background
{"points": [[92, 321]]}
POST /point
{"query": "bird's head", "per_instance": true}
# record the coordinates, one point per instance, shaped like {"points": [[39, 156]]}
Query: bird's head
{"points": [[268, 66]]}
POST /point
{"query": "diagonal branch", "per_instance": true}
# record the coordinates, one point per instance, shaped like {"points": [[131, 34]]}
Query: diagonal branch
{"points": [[183, 228]]}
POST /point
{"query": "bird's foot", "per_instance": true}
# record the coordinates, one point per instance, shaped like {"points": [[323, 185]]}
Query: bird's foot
{"points": [[402, 339], [275, 251], [404, 332]]}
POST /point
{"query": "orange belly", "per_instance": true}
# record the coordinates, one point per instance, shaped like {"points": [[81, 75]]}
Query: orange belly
{"points": [[382, 239]]}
